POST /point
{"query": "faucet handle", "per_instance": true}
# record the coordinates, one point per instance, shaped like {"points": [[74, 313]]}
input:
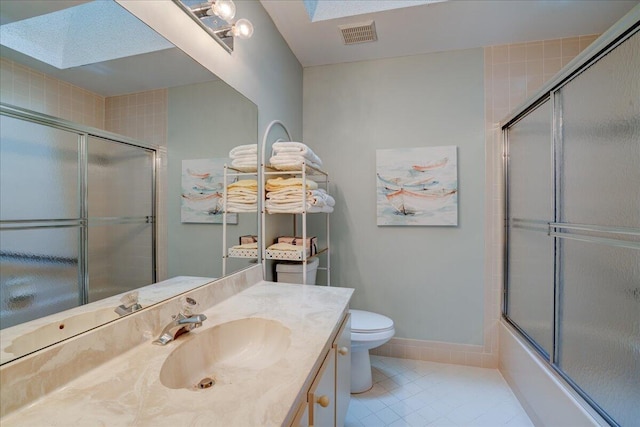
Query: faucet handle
{"points": [[130, 299], [189, 306]]}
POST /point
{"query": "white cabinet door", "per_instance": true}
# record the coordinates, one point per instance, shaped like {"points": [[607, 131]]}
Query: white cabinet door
{"points": [[322, 393], [342, 346]]}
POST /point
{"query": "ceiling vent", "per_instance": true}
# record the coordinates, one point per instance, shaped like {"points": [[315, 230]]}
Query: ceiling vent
{"points": [[359, 33]]}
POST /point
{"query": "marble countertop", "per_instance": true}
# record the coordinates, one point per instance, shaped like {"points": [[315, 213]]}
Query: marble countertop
{"points": [[104, 308], [127, 389]]}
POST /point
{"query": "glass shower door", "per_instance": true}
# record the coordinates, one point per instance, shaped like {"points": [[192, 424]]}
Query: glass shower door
{"points": [[40, 220], [530, 263], [120, 217], [599, 233]]}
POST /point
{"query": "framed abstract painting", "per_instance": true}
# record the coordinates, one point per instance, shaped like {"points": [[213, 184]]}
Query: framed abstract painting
{"points": [[417, 186]]}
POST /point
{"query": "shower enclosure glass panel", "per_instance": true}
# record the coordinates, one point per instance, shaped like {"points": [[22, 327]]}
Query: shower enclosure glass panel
{"points": [[38, 272], [600, 325], [39, 170], [120, 177], [119, 258], [120, 205], [601, 141], [40, 219], [530, 264]]}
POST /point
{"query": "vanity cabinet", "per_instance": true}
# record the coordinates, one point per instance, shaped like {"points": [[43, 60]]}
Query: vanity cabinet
{"points": [[342, 346], [321, 396], [327, 400]]}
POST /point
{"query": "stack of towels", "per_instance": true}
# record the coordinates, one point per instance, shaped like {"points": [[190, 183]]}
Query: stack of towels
{"points": [[284, 195], [242, 196], [288, 156], [244, 157]]}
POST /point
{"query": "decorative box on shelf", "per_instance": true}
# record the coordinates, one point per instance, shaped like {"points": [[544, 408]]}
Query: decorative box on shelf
{"points": [[286, 255], [248, 239], [311, 243]]}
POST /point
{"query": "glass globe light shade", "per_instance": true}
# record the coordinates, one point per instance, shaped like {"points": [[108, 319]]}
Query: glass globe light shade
{"points": [[243, 29], [225, 9]]}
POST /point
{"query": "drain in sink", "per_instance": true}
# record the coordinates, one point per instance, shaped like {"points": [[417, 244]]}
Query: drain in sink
{"points": [[205, 383]]}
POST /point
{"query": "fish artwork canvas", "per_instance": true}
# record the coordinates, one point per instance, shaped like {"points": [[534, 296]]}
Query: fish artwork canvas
{"points": [[202, 191], [417, 186]]}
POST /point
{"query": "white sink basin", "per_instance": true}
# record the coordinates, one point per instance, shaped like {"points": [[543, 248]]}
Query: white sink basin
{"points": [[223, 352], [58, 331]]}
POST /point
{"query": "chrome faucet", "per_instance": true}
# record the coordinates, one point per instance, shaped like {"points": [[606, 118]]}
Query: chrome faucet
{"points": [[129, 304], [181, 323]]}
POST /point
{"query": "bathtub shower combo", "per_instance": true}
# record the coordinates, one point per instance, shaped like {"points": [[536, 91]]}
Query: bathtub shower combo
{"points": [[572, 259]]}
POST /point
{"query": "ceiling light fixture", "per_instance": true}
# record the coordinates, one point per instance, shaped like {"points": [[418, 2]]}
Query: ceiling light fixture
{"points": [[223, 29]]}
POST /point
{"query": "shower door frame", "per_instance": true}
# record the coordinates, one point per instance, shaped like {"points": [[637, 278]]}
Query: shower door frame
{"points": [[552, 92], [84, 133]]}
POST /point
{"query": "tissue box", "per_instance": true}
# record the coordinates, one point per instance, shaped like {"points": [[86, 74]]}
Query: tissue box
{"points": [[311, 243], [248, 239]]}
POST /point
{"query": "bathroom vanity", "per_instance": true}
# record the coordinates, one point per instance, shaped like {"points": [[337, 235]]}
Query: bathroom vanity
{"points": [[267, 354]]}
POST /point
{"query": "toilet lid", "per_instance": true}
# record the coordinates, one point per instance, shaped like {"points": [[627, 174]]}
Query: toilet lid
{"points": [[367, 322]]}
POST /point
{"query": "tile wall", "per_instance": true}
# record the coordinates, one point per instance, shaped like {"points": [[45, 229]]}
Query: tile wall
{"points": [[33, 90], [512, 73], [142, 116]]}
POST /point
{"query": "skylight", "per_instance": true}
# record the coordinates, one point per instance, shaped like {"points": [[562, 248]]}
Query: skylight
{"points": [[81, 35], [322, 10]]}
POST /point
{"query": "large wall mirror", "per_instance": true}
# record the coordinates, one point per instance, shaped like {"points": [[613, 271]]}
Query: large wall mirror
{"points": [[88, 81]]}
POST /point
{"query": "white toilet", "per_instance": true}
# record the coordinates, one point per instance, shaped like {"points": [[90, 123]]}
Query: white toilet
{"points": [[368, 330]]}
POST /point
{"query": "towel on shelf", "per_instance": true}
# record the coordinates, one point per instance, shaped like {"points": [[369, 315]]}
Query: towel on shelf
{"points": [[291, 156], [279, 183], [317, 197], [242, 196], [244, 151], [295, 149], [297, 208], [251, 184], [290, 163], [286, 196], [244, 157]]}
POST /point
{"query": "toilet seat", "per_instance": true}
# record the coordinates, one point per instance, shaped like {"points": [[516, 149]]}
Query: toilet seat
{"points": [[366, 322]]}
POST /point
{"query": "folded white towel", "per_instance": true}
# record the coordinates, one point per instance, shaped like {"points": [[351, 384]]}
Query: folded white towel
{"points": [[295, 148], [294, 151], [244, 150], [245, 165], [241, 207], [286, 163], [298, 209]]}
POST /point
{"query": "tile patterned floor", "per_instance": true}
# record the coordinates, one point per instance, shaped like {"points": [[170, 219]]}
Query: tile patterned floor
{"points": [[408, 393]]}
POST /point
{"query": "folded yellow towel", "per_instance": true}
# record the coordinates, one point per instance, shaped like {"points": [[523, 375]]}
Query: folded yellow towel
{"points": [[279, 183], [245, 183]]}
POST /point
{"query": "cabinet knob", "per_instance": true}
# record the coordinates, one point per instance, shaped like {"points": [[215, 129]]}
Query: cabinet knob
{"points": [[343, 351], [324, 400]]}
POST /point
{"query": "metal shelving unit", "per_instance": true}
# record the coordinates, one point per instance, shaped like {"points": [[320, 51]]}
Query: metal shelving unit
{"points": [[305, 172]]}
